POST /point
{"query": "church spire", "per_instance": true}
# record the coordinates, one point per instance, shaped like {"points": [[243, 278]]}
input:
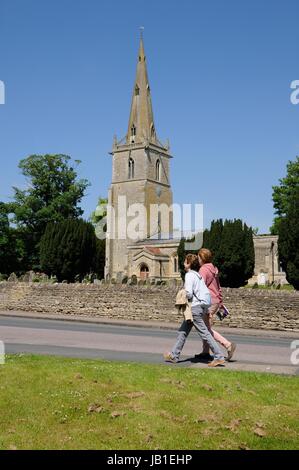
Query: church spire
{"points": [[141, 122]]}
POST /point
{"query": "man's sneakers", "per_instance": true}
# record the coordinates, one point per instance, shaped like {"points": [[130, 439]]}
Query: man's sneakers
{"points": [[168, 357], [216, 363], [230, 351]]}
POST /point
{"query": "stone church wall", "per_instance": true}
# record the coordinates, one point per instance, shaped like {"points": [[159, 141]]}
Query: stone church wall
{"points": [[250, 308]]}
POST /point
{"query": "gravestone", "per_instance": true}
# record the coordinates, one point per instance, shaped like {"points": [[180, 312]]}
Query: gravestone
{"points": [[44, 277], [26, 277], [262, 279], [13, 278]]}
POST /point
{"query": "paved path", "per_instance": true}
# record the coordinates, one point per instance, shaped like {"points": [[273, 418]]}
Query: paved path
{"points": [[256, 351]]}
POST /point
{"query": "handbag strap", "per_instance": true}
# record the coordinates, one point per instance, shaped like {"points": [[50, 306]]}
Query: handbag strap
{"points": [[200, 278]]}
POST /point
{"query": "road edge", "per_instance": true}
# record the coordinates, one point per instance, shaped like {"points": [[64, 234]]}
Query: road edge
{"points": [[143, 324]]}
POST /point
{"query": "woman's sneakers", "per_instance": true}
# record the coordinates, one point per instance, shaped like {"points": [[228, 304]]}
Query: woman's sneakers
{"points": [[168, 357], [230, 351], [216, 363]]}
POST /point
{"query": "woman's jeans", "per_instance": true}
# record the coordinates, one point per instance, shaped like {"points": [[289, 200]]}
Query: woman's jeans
{"points": [[202, 330]]}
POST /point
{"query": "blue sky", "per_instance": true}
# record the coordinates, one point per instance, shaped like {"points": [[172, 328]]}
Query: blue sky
{"points": [[220, 75]]}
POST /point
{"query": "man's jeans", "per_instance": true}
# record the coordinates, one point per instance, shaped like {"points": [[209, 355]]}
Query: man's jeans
{"points": [[201, 329]]}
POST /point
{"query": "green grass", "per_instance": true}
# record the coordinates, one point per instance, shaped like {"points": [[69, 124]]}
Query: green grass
{"points": [[286, 287], [44, 404]]}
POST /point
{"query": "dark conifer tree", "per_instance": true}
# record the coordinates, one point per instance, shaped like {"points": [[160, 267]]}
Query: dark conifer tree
{"points": [[288, 242], [181, 257], [249, 251], [68, 249], [231, 244]]}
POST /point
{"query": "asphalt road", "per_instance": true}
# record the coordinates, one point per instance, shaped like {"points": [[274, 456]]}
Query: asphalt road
{"points": [[261, 352]]}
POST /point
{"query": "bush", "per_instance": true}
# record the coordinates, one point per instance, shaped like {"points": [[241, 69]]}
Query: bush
{"points": [[67, 249]]}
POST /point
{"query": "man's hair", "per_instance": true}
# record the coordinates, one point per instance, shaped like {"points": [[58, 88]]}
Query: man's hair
{"points": [[205, 255], [193, 261]]}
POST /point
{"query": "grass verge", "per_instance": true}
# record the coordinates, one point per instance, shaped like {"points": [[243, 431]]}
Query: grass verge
{"points": [[57, 403]]}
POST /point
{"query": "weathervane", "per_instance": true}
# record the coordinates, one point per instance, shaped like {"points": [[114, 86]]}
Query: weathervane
{"points": [[141, 31]]}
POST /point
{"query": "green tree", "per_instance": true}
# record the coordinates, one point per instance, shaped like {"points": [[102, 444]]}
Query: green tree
{"points": [[100, 226], [181, 257], [11, 248], [68, 249], [288, 241], [100, 258], [212, 237], [53, 194], [231, 243], [100, 212], [249, 252], [284, 194]]}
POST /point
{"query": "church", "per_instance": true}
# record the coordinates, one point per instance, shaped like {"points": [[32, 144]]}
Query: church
{"points": [[141, 178]]}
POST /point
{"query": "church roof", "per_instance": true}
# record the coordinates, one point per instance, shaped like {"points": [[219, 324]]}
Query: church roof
{"points": [[141, 123], [153, 250], [150, 243]]}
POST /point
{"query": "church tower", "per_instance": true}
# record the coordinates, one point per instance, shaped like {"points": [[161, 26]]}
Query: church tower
{"points": [[140, 174]]}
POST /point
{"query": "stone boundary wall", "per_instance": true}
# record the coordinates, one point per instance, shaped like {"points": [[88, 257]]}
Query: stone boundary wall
{"points": [[249, 308]]}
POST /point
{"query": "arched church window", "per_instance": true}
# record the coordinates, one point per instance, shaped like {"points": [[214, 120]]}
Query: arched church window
{"points": [[133, 134], [158, 170], [131, 168], [153, 132], [159, 226], [136, 90], [144, 271], [175, 265]]}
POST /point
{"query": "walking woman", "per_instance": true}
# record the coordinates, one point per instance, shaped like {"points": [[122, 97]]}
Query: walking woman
{"points": [[210, 275], [193, 288]]}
